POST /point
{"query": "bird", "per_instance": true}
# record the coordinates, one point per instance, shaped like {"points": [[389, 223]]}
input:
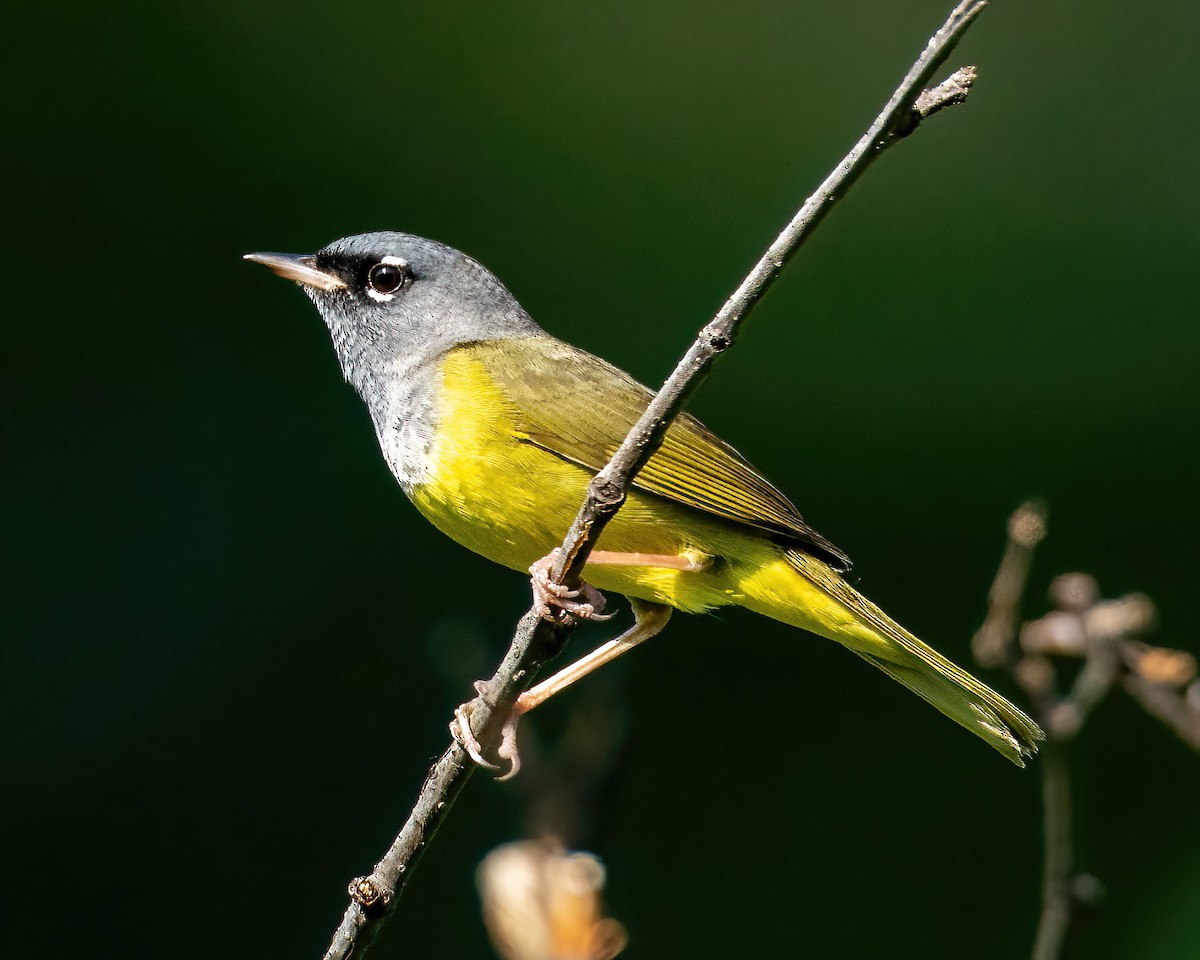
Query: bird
{"points": [[493, 428]]}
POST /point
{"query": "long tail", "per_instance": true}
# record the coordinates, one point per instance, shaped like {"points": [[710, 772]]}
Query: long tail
{"points": [[804, 592]]}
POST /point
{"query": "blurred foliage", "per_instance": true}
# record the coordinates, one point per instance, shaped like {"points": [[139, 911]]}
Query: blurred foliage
{"points": [[217, 695]]}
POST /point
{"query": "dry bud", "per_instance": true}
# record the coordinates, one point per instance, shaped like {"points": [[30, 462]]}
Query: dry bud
{"points": [[990, 643], [541, 902], [1064, 720], [1035, 675], [1057, 633], [1087, 889], [1174, 668], [1131, 614], [1027, 525], [1074, 591]]}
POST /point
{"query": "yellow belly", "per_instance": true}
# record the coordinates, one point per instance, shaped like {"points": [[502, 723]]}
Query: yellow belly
{"points": [[512, 502]]}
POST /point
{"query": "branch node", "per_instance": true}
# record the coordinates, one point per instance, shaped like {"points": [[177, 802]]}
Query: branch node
{"points": [[949, 93], [1074, 592], [607, 493], [368, 894]]}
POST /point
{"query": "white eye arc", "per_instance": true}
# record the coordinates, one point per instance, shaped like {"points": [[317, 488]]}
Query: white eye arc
{"points": [[387, 277]]}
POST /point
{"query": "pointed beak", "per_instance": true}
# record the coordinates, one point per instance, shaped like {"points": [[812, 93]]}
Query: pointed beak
{"points": [[302, 269]]}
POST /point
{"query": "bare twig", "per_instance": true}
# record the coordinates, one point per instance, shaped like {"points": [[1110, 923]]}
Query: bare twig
{"points": [[1102, 633], [537, 640], [1181, 715], [952, 90], [993, 642], [1058, 856]]}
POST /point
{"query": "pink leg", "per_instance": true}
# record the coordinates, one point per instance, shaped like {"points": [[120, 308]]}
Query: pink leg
{"points": [[690, 561], [556, 603], [554, 600], [649, 620]]}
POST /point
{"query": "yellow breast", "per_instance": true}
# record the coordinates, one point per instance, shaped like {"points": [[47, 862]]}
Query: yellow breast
{"points": [[485, 488], [512, 502]]}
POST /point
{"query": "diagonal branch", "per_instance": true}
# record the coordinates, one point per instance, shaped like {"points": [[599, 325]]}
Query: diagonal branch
{"points": [[536, 641], [607, 490]]}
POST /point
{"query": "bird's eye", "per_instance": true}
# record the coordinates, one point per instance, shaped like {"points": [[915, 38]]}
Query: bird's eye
{"points": [[387, 276]]}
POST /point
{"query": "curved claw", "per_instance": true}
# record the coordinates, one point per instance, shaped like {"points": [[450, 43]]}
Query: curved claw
{"points": [[556, 602], [460, 730], [508, 746]]}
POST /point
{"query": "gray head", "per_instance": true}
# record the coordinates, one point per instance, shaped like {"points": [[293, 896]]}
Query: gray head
{"points": [[392, 296]]}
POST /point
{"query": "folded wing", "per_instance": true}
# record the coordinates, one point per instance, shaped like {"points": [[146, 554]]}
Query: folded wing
{"points": [[578, 407]]}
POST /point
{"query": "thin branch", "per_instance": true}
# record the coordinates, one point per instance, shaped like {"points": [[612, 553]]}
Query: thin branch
{"points": [[536, 640], [994, 642], [953, 90], [1058, 859], [1181, 715]]}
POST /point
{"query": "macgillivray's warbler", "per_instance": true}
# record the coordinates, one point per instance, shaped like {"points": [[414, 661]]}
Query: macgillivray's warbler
{"points": [[494, 429]]}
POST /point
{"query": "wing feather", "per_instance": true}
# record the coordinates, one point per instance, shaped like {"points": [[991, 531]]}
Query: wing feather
{"points": [[578, 407]]}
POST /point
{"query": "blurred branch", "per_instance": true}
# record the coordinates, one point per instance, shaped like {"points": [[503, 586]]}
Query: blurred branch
{"points": [[1181, 715], [1058, 855], [993, 644], [537, 640], [1102, 633]]}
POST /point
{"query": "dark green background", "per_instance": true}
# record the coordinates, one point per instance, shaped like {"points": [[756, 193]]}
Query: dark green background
{"points": [[214, 585]]}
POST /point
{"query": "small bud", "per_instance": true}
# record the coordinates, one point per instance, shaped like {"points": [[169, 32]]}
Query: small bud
{"points": [[1056, 634], [1174, 668], [1131, 614], [1074, 592], [1027, 525], [1064, 720], [366, 893], [1087, 889], [1036, 675], [990, 644], [541, 902]]}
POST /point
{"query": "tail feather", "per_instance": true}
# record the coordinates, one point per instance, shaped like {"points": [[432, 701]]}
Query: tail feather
{"points": [[878, 639], [977, 708]]}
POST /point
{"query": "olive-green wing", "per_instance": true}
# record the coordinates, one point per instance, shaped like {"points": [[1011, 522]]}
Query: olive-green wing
{"points": [[580, 408]]}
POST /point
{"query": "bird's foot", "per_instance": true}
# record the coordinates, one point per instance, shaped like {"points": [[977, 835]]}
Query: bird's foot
{"points": [[460, 729], [558, 603]]}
